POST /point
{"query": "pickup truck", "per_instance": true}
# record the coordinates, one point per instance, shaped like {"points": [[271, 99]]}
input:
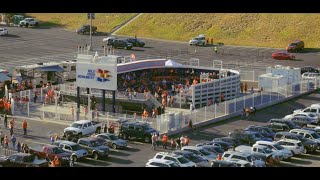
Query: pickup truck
{"points": [[84, 127], [51, 151], [259, 150]]}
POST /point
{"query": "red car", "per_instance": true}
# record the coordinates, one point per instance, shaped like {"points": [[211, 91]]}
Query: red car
{"points": [[282, 56]]}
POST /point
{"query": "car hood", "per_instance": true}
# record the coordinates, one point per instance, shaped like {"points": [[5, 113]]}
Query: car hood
{"points": [[81, 152], [193, 41], [64, 154], [71, 129], [120, 141], [316, 140], [103, 148]]}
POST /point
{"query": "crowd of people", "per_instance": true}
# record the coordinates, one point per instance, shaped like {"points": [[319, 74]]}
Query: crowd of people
{"points": [[175, 143]]}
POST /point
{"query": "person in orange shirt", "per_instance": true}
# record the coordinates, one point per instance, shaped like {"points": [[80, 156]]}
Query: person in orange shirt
{"points": [[219, 157], [56, 162], [24, 127], [6, 142], [164, 141]]}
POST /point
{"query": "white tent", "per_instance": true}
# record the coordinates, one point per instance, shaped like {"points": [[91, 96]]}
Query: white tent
{"points": [[172, 63]]}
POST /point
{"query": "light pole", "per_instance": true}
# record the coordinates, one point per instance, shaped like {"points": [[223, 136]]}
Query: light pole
{"points": [[90, 47]]}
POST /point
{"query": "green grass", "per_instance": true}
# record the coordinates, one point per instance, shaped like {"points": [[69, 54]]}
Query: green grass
{"points": [[71, 21], [264, 30]]}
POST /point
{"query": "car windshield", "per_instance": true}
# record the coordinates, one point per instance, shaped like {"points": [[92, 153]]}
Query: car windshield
{"points": [[29, 158], [183, 160], [291, 124], [315, 135], [218, 149], [146, 127], [57, 150], [76, 147], [252, 136], [292, 44], [311, 115], [174, 165], [259, 135], [278, 147], [268, 130], [76, 125], [113, 137], [205, 152], [196, 38], [195, 158], [267, 150], [299, 144], [95, 143]]}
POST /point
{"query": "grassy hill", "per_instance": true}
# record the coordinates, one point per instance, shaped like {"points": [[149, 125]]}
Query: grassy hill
{"points": [[267, 30], [71, 21]]}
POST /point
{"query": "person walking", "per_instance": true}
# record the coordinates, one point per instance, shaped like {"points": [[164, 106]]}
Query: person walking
{"points": [[5, 121], [19, 147], [153, 141], [85, 111], [252, 90], [243, 113], [24, 127], [164, 141], [13, 140], [11, 125], [178, 144], [181, 141], [219, 157], [173, 144], [186, 141], [72, 112], [190, 125], [35, 98], [1, 139], [245, 87], [216, 49], [6, 142]]}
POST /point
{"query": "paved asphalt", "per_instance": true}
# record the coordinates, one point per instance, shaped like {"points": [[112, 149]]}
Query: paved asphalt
{"points": [[24, 44]]}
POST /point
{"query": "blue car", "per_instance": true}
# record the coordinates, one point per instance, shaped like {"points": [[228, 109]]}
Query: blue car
{"points": [[265, 131], [261, 137]]}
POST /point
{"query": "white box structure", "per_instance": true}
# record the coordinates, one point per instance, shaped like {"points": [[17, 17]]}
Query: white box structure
{"points": [[292, 74], [272, 83]]}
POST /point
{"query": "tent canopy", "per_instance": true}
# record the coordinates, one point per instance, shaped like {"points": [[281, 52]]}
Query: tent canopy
{"points": [[54, 68], [4, 77], [172, 63]]}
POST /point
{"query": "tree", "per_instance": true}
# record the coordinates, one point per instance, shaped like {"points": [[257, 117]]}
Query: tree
{"points": [[8, 17]]}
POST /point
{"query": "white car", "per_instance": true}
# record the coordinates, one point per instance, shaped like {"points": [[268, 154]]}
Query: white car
{"points": [[29, 22], [200, 40], [161, 163], [276, 147], [108, 38], [246, 156], [294, 146], [201, 152], [3, 31], [180, 160], [314, 109], [313, 136], [306, 114]]}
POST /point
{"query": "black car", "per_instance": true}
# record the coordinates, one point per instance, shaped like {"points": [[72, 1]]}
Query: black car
{"points": [[244, 137], [310, 146], [309, 69], [94, 147], [136, 130], [120, 43], [23, 160], [289, 123], [224, 145], [233, 141], [278, 127], [86, 29], [265, 131], [221, 163], [135, 42]]}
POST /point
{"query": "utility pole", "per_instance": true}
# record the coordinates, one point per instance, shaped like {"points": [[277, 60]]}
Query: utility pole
{"points": [[91, 16]]}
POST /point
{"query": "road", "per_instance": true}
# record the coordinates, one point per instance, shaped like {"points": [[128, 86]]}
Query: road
{"points": [[29, 45]]}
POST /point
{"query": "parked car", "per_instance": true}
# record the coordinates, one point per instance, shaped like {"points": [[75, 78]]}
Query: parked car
{"points": [[84, 127], [86, 29], [224, 145], [121, 43], [278, 127], [136, 130], [263, 130], [229, 155], [223, 163], [283, 56], [51, 151], [161, 163], [29, 22], [276, 147], [309, 146], [295, 46], [135, 42], [94, 148], [180, 160], [311, 116], [109, 40], [200, 40], [245, 137], [233, 141], [213, 149], [113, 141], [200, 161], [304, 121], [201, 152], [241, 163], [314, 109], [4, 31], [72, 147], [290, 124], [22, 160], [309, 69], [260, 150], [313, 136], [294, 146]]}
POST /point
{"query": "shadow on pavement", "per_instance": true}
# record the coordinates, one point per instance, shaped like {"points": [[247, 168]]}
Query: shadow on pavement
{"points": [[118, 160], [131, 149], [118, 153], [299, 161], [10, 36], [314, 156], [309, 50], [100, 162]]}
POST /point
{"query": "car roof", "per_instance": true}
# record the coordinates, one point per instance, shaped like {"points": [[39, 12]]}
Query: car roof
{"points": [[164, 161], [301, 130], [66, 142], [239, 153], [106, 134], [182, 152], [168, 154], [223, 162], [89, 139], [286, 133], [22, 154], [192, 147], [290, 140], [239, 161], [279, 124], [266, 142], [259, 146]]}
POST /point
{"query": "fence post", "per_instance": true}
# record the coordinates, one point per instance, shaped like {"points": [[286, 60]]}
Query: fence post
{"points": [[108, 119], [235, 105], [270, 96], [261, 97], [215, 110], [28, 106], [244, 101], [12, 106], [205, 113], [225, 107], [59, 112], [253, 75], [41, 94], [252, 99]]}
